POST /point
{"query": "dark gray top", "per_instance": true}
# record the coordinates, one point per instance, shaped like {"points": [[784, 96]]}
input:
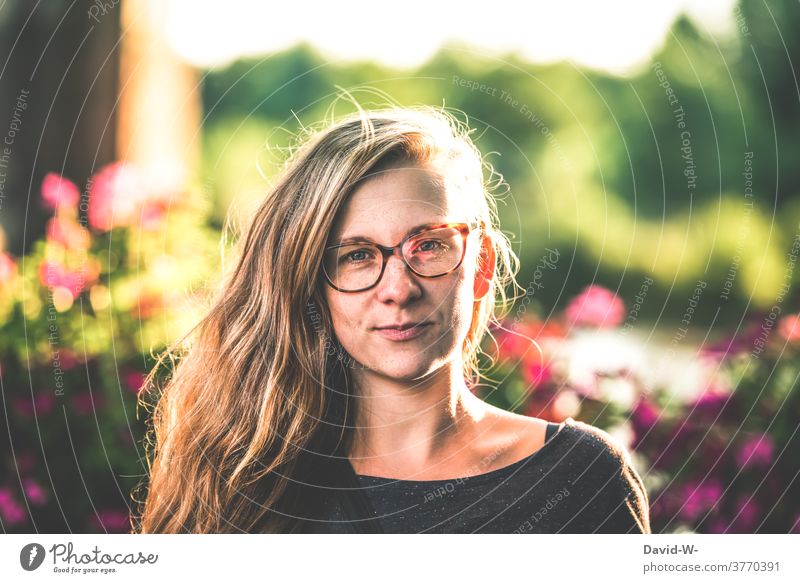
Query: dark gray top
{"points": [[579, 481]]}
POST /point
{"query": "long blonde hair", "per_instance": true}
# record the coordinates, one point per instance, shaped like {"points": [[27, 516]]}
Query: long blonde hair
{"points": [[257, 406]]}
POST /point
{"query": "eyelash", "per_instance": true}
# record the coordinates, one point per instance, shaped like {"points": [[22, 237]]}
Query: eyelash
{"points": [[347, 257], [364, 250]]}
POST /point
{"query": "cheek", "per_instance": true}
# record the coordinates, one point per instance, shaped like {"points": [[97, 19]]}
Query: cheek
{"points": [[344, 317], [458, 297], [349, 327]]}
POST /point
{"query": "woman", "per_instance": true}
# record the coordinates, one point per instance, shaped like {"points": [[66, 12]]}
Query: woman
{"points": [[328, 389]]}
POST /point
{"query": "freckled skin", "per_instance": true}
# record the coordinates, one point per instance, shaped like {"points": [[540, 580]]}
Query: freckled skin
{"points": [[419, 418], [383, 209]]}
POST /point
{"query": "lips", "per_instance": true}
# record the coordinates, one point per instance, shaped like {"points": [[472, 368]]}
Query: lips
{"points": [[402, 332], [404, 326]]}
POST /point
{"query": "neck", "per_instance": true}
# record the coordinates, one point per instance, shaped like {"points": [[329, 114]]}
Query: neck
{"points": [[403, 427]]}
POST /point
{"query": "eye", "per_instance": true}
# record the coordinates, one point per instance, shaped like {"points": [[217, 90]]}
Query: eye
{"points": [[430, 245], [357, 256]]}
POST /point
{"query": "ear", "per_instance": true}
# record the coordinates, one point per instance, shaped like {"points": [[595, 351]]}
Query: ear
{"points": [[485, 270]]}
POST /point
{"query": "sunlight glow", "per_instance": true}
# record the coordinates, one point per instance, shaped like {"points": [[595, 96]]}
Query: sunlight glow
{"points": [[616, 35]]}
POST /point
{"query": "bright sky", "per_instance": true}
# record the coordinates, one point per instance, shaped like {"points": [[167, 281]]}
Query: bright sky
{"points": [[612, 35]]}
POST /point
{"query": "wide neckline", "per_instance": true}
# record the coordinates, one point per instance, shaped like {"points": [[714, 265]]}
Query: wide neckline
{"points": [[568, 423]]}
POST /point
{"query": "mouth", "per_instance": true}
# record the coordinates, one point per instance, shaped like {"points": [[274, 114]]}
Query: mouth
{"points": [[402, 332], [404, 326]]}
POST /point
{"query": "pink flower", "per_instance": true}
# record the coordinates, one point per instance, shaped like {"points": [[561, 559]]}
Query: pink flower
{"points": [[68, 233], [644, 416], [736, 343], [112, 521], [43, 403], [67, 359], [517, 340], [511, 346], [717, 526], [84, 402], [536, 373], [748, 514], [135, 381], [34, 492], [710, 404], [596, 306], [53, 274], [699, 498], [59, 193], [10, 510], [152, 215], [789, 327], [115, 196], [8, 268], [756, 451]]}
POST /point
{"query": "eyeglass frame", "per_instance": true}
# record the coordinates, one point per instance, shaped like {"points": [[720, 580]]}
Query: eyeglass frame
{"points": [[465, 228]]}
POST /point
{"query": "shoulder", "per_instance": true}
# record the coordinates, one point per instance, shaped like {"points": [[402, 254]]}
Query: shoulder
{"points": [[609, 463], [598, 451], [592, 439], [515, 435]]}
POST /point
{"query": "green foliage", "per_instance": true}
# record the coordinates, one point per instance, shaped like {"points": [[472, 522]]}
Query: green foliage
{"points": [[84, 313], [593, 161]]}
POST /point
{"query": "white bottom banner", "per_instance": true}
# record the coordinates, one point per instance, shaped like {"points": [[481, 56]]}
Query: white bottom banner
{"points": [[397, 557]]}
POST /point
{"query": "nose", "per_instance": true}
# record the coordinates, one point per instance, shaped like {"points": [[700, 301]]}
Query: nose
{"points": [[398, 284]]}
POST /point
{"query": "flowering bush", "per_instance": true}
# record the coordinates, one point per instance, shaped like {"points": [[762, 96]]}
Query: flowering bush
{"points": [[81, 315], [84, 311], [718, 457]]}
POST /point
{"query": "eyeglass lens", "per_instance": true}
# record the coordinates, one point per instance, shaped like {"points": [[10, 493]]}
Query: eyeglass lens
{"points": [[430, 253]]}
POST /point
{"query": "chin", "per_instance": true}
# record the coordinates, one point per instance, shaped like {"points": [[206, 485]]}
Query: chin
{"points": [[402, 371], [405, 369]]}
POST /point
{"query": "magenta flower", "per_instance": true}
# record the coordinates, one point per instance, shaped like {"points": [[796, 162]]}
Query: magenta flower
{"points": [[67, 359], [510, 346], [134, 381], [737, 343], [112, 521], [680, 435], [644, 416], [717, 525], [748, 514], [115, 196], [10, 510], [596, 306], [710, 404], [58, 193], [537, 374], [700, 498], [34, 492], [43, 403], [756, 451], [84, 402]]}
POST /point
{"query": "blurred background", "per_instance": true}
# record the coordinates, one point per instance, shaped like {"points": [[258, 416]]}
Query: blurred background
{"points": [[650, 155]]}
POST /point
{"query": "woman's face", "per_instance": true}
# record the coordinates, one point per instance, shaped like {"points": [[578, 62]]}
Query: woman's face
{"points": [[384, 209]]}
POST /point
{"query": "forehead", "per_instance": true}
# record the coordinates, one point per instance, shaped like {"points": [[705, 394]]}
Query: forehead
{"points": [[386, 206]]}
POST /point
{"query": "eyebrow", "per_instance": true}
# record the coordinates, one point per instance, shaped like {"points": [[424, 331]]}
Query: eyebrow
{"points": [[362, 238]]}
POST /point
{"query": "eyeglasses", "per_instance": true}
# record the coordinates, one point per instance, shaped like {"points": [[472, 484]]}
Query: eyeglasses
{"points": [[430, 252]]}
